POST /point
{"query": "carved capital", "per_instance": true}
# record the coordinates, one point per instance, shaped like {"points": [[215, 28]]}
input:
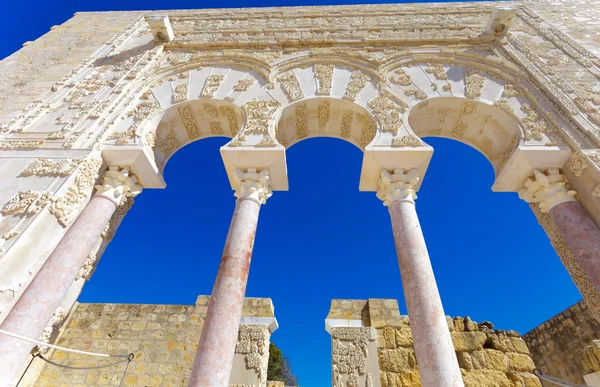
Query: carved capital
{"points": [[547, 190], [118, 184], [397, 185], [253, 185]]}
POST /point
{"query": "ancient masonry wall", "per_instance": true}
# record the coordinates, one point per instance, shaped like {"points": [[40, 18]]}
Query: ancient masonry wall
{"points": [[564, 346], [163, 338], [40, 65], [487, 357]]}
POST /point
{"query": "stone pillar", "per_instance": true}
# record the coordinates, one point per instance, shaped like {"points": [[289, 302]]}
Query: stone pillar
{"points": [[216, 348], [438, 366], [35, 307], [550, 192]]}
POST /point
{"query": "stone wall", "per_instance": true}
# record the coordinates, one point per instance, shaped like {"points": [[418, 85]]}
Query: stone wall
{"points": [[163, 339], [564, 346], [487, 357]]}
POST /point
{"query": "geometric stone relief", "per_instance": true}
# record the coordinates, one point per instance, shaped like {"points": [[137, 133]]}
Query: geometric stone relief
{"points": [[581, 280], [253, 344]]}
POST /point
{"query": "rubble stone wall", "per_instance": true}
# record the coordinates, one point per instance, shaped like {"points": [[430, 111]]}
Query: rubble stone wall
{"points": [[487, 357], [564, 346], [163, 339]]}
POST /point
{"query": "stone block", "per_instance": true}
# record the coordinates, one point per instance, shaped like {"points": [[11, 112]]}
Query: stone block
{"points": [[404, 337], [459, 324], [389, 336], [464, 360], [468, 341], [470, 325], [531, 380], [519, 345], [485, 378], [520, 362], [396, 360], [478, 359], [496, 360], [410, 378]]}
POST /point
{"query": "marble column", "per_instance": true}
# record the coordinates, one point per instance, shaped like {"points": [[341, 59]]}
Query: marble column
{"points": [[216, 348], [35, 307], [549, 190], [436, 359]]}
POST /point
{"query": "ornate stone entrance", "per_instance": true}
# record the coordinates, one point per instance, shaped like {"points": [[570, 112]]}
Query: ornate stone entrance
{"points": [[501, 79]]}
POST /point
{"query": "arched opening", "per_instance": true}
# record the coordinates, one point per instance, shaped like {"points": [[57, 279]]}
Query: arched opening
{"points": [[490, 130], [326, 117], [191, 121]]}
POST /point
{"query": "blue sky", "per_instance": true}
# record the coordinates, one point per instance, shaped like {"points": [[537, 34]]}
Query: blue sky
{"points": [[323, 239]]}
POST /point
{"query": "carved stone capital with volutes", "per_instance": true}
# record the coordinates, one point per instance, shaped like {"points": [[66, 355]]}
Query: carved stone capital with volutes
{"points": [[253, 185], [118, 184], [397, 185], [547, 189]]}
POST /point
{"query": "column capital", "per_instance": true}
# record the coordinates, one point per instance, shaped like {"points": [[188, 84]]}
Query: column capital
{"points": [[253, 185], [547, 189], [397, 185], [118, 184]]}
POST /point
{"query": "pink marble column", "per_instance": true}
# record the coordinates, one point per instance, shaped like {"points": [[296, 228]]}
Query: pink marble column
{"points": [[35, 307], [436, 359], [549, 189], [216, 348], [582, 236]]}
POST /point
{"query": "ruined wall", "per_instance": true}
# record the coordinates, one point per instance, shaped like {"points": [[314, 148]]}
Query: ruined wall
{"points": [[563, 346], [163, 338], [487, 357]]}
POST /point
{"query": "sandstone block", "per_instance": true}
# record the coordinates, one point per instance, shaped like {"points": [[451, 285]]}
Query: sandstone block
{"points": [[496, 360], [519, 345], [464, 360], [397, 360], [520, 362], [411, 379], [485, 378], [531, 380], [470, 325], [478, 359], [450, 323], [389, 336], [459, 324], [468, 341], [404, 337], [275, 384]]}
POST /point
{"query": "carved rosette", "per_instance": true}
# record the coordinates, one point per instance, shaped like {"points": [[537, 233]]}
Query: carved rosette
{"points": [[547, 189], [118, 184], [397, 185], [253, 185]]}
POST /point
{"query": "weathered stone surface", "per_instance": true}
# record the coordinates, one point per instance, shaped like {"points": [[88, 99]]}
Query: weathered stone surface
{"points": [[464, 360], [468, 341], [520, 362], [496, 360], [480, 378], [397, 360], [404, 337], [562, 346]]}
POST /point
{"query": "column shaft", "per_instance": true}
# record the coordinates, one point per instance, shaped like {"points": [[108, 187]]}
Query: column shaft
{"points": [[436, 359], [582, 236], [35, 307], [216, 348]]}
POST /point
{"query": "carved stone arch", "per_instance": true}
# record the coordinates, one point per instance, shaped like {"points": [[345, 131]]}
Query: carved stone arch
{"points": [[321, 76], [191, 121], [326, 117], [516, 91], [493, 132]]}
